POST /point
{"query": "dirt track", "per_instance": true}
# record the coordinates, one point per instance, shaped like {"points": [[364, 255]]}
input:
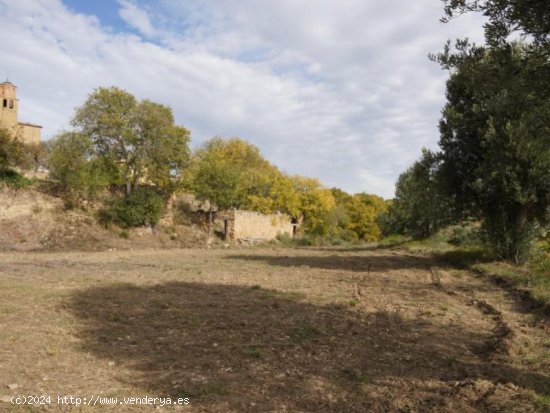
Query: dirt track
{"points": [[267, 330]]}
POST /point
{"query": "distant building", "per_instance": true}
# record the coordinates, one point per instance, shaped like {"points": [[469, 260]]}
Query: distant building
{"points": [[27, 132], [237, 225]]}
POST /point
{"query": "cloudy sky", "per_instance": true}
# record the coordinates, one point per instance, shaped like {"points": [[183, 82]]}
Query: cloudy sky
{"points": [[340, 90]]}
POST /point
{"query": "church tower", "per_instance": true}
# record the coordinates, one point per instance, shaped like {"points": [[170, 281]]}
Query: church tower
{"points": [[9, 107], [8, 99]]}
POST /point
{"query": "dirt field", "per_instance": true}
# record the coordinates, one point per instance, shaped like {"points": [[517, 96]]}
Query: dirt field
{"points": [[266, 330]]}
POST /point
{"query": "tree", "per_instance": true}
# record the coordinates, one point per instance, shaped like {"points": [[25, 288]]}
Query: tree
{"points": [[354, 217], [73, 163], [315, 205], [137, 139], [228, 172], [12, 151], [495, 136], [420, 206], [232, 173], [531, 17]]}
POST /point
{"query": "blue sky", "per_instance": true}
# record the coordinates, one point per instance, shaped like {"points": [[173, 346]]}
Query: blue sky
{"points": [[340, 90]]}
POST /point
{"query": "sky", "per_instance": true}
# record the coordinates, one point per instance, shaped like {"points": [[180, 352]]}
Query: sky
{"points": [[339, 90]]}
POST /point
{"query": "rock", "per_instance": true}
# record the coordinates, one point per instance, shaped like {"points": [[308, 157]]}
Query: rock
{"points": [[13, 386]]}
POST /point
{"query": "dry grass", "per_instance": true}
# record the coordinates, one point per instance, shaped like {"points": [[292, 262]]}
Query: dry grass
{"points": [[266, 330]]}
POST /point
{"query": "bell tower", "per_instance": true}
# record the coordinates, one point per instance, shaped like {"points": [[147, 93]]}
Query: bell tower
{"points": [[9, 105]]}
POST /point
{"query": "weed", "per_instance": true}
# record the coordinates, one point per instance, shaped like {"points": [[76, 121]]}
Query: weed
{"points": [[451, 361], [253, 352], [303, 333], [124, 234], [543, 401], [353, 375]]}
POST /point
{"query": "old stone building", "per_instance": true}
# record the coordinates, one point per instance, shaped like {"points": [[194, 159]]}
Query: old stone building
{"points": [[238, 225], [27, 132]]}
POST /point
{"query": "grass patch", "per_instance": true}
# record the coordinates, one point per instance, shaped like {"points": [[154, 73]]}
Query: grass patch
{"points": [[543, 402], [457, 247], [253, 352], [303, 333], [394, 241], [535, 282], [451, 362], [13, 180]]}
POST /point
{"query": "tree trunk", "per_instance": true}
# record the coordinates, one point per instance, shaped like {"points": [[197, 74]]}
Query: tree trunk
{"points": [[520, 235]]}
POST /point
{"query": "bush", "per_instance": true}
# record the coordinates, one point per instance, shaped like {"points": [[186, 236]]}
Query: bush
{"points": [[540, 255], [12, 179], [466, 234], [140, 208], [183, 213]]}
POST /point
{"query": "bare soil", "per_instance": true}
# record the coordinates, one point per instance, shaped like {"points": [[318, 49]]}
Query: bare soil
{"points": [[266, 330]]}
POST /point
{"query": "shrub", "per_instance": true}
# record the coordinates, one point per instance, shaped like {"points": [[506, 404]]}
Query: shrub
{"points": [[183, 213], [466, 234], [12, 179], [540, 255], [140, 208]]}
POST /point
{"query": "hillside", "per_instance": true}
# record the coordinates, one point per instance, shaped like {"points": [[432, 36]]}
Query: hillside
{"points": [[34, 221]]}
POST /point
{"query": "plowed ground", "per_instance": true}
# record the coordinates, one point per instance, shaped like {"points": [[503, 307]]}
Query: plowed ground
{"points": [[266, 330]]}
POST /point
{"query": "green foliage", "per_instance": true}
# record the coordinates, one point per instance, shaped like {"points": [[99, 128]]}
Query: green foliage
{"points": [[74, 165], [420, 207], [465, 234], [315, 204], [354, 217], [135, 140], [12, 179], [531, 17], [140, 208], [540, 255], [535, 282], [495, 137], [12, 151], [233, 174]]}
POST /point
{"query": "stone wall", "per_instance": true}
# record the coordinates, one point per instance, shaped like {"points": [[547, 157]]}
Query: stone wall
{"points": [[242, 225], [29, 134]]}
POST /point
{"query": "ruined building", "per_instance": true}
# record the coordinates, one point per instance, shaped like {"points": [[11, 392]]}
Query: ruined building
{"points": [[26, 132]]}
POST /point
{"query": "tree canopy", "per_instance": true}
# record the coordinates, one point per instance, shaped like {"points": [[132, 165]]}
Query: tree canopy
{"points": [[530, 17], [137, 139]]}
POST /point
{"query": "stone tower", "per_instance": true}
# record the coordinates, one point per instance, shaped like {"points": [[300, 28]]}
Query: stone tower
{"points": [[9, 108]]}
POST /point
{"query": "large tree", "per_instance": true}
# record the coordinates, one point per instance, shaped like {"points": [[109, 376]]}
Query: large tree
{"points": [[420, 206], [138, 139], [495, 137]]}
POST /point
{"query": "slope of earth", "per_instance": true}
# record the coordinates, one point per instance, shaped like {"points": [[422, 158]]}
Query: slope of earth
{"points": [[34, 221], [265, 330]]}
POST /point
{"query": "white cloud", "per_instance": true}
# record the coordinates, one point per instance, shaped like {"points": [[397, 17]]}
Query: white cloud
{"points": [[341, 91], [136, 17]]}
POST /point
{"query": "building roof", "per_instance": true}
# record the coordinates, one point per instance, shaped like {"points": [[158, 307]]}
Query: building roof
{"points": [[29, 124]]}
